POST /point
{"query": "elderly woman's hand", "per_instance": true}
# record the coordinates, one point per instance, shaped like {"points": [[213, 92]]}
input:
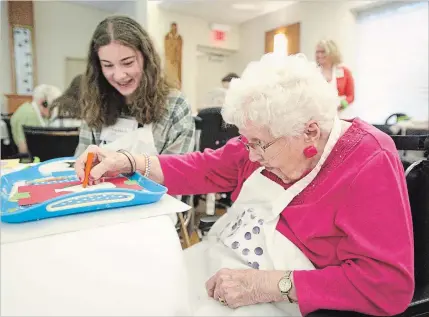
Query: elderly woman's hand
{"points": [[106, 163], [245, 287]]}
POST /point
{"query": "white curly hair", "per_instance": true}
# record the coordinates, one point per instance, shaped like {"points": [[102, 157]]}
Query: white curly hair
{"points": [[46, 93], [282, 93]]}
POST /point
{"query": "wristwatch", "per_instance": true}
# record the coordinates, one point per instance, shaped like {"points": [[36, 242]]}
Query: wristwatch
{"points": [[285, 286]]}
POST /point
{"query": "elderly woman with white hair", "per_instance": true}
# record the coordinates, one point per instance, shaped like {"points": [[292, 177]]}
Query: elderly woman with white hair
{"points": [[35, 114], [321, 217]]}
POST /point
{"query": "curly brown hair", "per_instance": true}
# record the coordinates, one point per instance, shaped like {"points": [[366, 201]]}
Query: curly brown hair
{"points": [[101, 103]]}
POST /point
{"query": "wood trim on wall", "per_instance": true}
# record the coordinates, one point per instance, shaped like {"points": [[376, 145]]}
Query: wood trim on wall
{"points": [[292, 33], [12, 58], [14, 101], [21, 13], [33, 41]]}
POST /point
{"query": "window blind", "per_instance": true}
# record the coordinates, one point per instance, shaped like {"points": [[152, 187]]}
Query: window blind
{"points": [[392, 62]]}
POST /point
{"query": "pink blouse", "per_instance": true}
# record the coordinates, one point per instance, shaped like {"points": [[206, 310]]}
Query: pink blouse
{"points": [[353, 221]]}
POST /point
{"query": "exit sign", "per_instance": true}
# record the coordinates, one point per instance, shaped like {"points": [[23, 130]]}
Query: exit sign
{"points": [[218, 35]]}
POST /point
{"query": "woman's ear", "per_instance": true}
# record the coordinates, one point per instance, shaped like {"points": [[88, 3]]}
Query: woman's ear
{"points": [[311, 132]]}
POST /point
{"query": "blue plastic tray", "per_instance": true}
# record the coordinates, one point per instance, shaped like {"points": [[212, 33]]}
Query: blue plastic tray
{"points": [[73, 203]]}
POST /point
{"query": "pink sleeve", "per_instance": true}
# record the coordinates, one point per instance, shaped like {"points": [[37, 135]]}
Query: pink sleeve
{"points": [[200, 173], [376, 274]]}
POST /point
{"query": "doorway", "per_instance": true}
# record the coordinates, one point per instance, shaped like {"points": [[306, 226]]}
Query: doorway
{"points": [[211, 68], [292, 34], [74, 67]]}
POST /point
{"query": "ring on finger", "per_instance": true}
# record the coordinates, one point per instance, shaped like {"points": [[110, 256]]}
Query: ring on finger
{"points": [[222, 301]]}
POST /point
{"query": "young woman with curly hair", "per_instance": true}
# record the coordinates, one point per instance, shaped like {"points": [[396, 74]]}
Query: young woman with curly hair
{"points": [[125, 99]]}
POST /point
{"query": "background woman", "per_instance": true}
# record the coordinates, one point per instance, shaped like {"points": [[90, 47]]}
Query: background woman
{"points": [[328, 57]]}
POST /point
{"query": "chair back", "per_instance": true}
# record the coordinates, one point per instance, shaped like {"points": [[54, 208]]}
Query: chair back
{"points": [[396, 118], [198, 126], [418, 191], [47, 142], [9, 149], [417, 176], [214, 131], [65, 122]]}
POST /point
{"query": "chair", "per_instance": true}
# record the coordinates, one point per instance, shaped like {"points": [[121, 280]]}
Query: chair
{"points": [[410, 156], [8, 148], [407, 157], [390, 121], [186, 219], [66, 122], [396, 118], [48, 143], [417, 176], [215, 133]]}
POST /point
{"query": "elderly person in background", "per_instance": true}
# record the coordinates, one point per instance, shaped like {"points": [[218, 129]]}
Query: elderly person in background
{"points": [[227, 79], [35, 114], [321, 218], [328, 57], [65, 108]]}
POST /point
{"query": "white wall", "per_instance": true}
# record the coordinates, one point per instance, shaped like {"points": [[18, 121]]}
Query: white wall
{"points": [[127, 8], [319, 20], [5, 76], [194, 32], [62, 30], [141, 14]]}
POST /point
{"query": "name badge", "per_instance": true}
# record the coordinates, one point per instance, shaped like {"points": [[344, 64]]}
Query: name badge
{"points": [[122, 127], [339, 73]]}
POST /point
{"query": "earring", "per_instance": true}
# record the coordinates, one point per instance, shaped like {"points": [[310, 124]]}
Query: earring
{"points": [[310, 151]]}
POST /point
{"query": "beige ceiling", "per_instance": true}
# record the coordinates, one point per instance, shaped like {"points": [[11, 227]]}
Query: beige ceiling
{"points": [[224, 11], [217, 11]]}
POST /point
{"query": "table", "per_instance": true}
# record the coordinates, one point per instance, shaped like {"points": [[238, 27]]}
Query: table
{"points": [[121, 269]]}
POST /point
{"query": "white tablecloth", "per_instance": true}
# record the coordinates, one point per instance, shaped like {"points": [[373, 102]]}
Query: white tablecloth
{"points": [[121, 269]]}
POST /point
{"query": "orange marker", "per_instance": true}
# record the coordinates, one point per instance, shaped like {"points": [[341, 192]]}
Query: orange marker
{"points": [[88, 166]]}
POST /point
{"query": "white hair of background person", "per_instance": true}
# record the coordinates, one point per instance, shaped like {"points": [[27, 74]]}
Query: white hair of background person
{"points": [[46, 93], [282, 93]]}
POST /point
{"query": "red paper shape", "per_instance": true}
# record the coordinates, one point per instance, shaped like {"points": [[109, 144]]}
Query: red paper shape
{"points": [[42, 193]]}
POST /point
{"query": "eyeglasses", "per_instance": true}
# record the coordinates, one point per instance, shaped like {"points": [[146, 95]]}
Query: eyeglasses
{"points": [[257, 146]]}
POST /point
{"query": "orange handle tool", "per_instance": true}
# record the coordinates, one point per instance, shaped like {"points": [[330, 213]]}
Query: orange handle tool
{"points": [[88, 166]]}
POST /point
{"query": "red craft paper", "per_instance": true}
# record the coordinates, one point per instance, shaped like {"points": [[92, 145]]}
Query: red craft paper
{"points": [[42, 193]]}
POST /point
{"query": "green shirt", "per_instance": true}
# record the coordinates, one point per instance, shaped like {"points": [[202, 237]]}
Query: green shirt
{"points": [[24, 115]]}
